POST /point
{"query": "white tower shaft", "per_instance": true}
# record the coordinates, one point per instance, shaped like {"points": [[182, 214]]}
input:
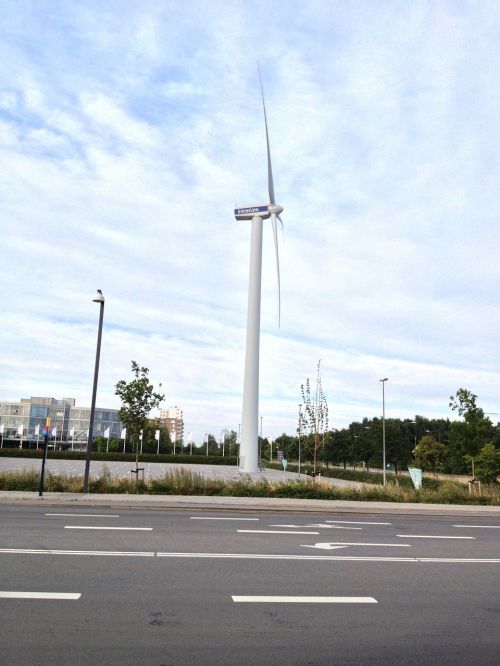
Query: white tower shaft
{"points": [[249, 449]]}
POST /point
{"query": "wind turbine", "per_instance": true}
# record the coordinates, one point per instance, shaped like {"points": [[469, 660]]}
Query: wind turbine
{"points": [[249, 456]]}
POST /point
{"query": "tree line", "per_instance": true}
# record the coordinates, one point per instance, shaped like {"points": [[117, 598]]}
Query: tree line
{"points": [[467, 446]]}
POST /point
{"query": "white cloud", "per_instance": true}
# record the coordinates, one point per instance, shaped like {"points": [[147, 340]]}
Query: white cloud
{"points": [[127, 142]]}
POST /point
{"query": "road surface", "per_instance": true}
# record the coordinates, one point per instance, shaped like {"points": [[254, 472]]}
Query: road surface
{"points": [[99, 586]]}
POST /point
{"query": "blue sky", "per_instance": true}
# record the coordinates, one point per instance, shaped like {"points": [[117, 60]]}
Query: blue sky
{"points": [[128, 133]]}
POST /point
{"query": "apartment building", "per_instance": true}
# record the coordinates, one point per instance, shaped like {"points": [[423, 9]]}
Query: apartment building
{"points": [[172, 418]]}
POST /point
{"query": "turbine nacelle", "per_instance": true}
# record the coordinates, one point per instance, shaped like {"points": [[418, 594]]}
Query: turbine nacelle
{"points": [[261, 210]]}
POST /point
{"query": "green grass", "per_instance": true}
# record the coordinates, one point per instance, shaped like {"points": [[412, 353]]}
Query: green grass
{"points": [[186, 482]]}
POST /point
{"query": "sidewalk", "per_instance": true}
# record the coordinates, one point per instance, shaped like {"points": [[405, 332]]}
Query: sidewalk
{"points": [[271, 504]]}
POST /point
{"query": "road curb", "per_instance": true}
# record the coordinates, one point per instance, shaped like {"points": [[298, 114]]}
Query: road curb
{"points": [[271, 504]]}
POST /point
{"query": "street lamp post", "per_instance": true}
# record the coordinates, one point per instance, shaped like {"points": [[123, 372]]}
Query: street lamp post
{"points": [[98, 299], [383, 430], [299, 429]]}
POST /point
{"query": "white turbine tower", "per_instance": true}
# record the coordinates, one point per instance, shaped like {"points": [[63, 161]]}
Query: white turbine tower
{"points": [[249, 456]]}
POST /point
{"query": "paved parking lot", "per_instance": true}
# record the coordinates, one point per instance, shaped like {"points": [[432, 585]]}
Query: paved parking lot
{"points": [[121, 469]]}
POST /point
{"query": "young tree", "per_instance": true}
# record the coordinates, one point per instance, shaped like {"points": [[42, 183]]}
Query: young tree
{"points": [[313, 416], [467, 437], [138, 398]]}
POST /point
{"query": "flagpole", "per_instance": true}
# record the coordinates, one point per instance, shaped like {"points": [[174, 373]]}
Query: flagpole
{"points": [[62, 426]]}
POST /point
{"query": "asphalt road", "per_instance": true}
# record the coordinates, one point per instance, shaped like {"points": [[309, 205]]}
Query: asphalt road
{"points": [[186, 588]]}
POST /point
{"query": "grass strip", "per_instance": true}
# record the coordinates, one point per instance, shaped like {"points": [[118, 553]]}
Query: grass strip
{"points": [[187, 482]]}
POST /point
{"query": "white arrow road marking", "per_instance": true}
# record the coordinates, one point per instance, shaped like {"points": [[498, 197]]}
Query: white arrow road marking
{"points": [[487, 527], [39, 595], [430, 536], [343, 544], [304, 600], [355, 522], [94, 527], [273, 532]]}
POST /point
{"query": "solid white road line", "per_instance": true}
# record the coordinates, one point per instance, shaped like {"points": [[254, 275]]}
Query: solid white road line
{"points": [[487, 527], [322, 526], [84, 515], [431, 536], [209, 518], [39, 595], [95, 527], [355, 522], [99, 553], [334, 558], [304, 600], [253, 556], [354, 543], [273, 532]]}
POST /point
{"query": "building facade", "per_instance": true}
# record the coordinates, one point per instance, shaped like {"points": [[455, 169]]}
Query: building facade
{"points": [[172, 418], [71, 423]]}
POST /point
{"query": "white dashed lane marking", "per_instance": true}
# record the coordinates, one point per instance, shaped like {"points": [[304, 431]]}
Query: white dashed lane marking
{"points": [[40, 595], [303, 600], [95, 527], [273, 532], [431, 536], [84, 515], [485, 527]]}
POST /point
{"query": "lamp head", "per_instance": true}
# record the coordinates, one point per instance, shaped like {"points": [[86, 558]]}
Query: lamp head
{"points": [[384, 380], [99, 298]]}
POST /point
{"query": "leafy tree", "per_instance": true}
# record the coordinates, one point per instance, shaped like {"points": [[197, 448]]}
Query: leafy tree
{"points": [[138, 398], [430, 454], [467, 437], [363, 444], [487, 466], [288, 444], [213, 447], [232, 442], [149, 441]]}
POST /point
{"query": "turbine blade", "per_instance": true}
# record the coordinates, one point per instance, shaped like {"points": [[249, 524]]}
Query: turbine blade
{"points": [[281, 221], [275, 234], [270, 184]]}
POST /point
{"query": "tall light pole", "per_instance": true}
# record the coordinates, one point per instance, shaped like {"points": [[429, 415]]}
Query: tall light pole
{"points": [[260, 444], [299, 431], [383, 429], [98, 299]]}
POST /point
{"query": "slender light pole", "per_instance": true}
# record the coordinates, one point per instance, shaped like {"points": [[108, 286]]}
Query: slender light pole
{"points": [[98, 299], [383, 430], [260, 445], [299, 431]]}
